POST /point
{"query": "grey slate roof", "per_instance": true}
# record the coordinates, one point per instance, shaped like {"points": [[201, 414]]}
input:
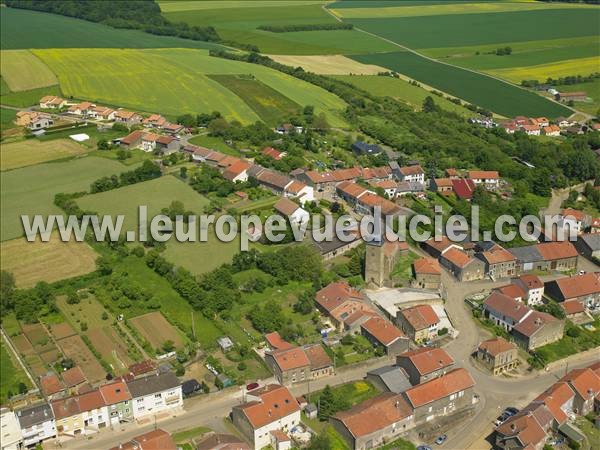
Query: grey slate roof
{"points": [[152, 384], [325, 246], [393, 377], [527, 254], [591, 240], [34, 415]]}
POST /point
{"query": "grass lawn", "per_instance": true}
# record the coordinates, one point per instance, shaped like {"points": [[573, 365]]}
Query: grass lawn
{"points": [[570, 345], [22, 71], [32, 151], [270, 105], [591, 432], [214, 143], [593, 91], [175, 81], [30, 190], [11, 325], [11, 375], [136, 156], [7, 116], [354, 392], [181, 437], [399, 444], [401, 90], [50, 261], [28, 98], [403, 268]]}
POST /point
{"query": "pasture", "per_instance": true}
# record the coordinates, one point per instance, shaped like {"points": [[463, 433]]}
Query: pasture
{"points": [[16, 27], [271, 106], [33, 151], [12, 377], [581, 66], [28, 98], [592, 89], [22, 71], [156, 330], [495, 95], [328, 64], [401, 90], [31, 262], [7, 116], [155, 194], [174, 82], [73, 347], [30, 190]]}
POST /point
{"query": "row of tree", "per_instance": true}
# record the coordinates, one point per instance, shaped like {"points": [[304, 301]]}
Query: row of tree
{"points": [[147, 171], [306, 27]]}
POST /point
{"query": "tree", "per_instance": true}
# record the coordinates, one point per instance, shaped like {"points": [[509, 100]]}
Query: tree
{"points": [[7, 289], [104, 315], [84, 326], [429, 105], [103, 265], [168, 346], [305, 303], [183, 172], [326, 403], [103, 144], [320, 441], [320, 123]]}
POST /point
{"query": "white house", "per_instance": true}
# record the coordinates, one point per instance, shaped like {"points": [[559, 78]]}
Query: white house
{"points": [[573, 220], [292, 211], [94, 413], [533, 286], [505, 311], [412, 174], [489, 178], [149, 142], [10, 431], [267, 409], [155, 394], [36, 423], [52, 102], [299, 190]]}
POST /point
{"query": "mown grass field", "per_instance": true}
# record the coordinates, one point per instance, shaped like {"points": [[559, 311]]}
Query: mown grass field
{"points": [[328, 64], [154, 194], [174, 81], [17, 25], [240, 25], [28, 98], [270, 105], [401, 90], [502, 98], [30, 190], [7, 116], [31, 262], [592, 89], [11, 375], [31, 151], [22, 71]]}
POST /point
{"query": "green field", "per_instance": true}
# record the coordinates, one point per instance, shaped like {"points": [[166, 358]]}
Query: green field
{"points": [[593, 91], [470, 29], [32, 151], [502, 98], [401, 90], [31, 190], [581, 66], [10, 375], [174, 81], [271, 106], [28, 98], [22, 71], [241, 24], [17, 28], [7, 116]]}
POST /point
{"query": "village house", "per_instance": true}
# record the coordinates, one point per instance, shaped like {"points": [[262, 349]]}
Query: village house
{"points": [[498, 355], [461, 265], [52, 102], [504, 311], [427, 273], [238, 171], [389, 379], [292, 211], [389, 187], [51, 385], [435, 248], [499, 263], [588, 245], [132, 140], [441, 396], [174, 129], [36, 423], [374, 422], [584, 288], [330, 248], [575, 311], [118, 402], [551, 130], [73, 377], [12, 438], [533, 288], [537, 329], [531, 130], [321, 364], [351, 192], [414, 174], [419, 322], [441, 185], [585, 384], [561, 256], [566, 97], [577, 220], [81, 109], [33, 120], [338, 301], [94, 412], [149, 142], [155, 394], [273, 181], [463, 188], [153, 440], [273, 153], [540, 121], [103, 113], [299, 190], [154, 121], [525, 430], [218, 441], [167, 144], [128, 118], [381, 332], [68, 417], [424, 364], [490, 179], [266, 409]]}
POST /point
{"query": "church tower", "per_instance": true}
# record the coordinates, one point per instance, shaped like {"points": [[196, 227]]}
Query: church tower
{"points": [[375, 272]]}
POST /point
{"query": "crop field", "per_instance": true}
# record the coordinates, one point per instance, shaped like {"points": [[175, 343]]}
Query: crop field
{"points": [[156, 330], [581, 66], [11, 374], [22, 71], [241, 25], [112, 348], [502, 98], [155, 194], [62, 330], [23, 345], [7, 116], [328, 64], [74, 347], [30, 190], [184, 5], [88, 311], [36, 334], [31, 262], [16, 27], [270, 105], [401, 90], [174, 81], [28, 98], [32, 151]]}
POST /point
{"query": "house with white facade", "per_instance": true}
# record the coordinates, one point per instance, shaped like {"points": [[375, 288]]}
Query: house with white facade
{"points": [[36, 423], [412, 174], [267, 409], [505, 311], [292, 211], [490, 179], [10, 431], [154, 394]]}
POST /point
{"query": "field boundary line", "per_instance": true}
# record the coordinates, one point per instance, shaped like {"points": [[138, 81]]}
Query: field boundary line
{"points": [[415, 52], [9, 344]]}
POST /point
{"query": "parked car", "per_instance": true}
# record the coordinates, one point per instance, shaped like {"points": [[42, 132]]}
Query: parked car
{"points": [[423, 447], [251, 386], [441, 439], [511, 410]]}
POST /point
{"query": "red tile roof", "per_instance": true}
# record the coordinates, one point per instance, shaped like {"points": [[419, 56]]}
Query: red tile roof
{"points": [[496, 346], [115, 392], [73, 376], [51, 384], [572, 307], [557, 250], [483, 174], [383, 330], [276, 402], [276, 342], [235, 169], [420, 316], [585, 381], [534, 322], [375, 414], [351, 189], [579, 285], [295, 187], [90, 401], [427, 265], [506, 306], [153, 440], [554, 398], [65, 407], [142, 367], [463, 188], [290, 358], [452, 382], [335, 294], [457, 257], [498, 255], [317, 356], [411, 170], [133, 137], [513, 291], [440, 245], [525, 428], [428, 360], [531, 281], [285, 206], [271, 152]]}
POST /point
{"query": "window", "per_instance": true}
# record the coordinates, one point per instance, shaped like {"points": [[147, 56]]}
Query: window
{"points": [[140, 400], [157, 395]]}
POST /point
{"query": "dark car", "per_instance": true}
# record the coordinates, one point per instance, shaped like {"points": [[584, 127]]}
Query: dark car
{"points": [[251, 386], [511, 410], [441, 439], [423, 447]]}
